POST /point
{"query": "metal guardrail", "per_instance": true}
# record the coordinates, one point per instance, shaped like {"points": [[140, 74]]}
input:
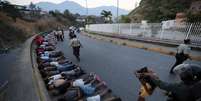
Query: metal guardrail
{"points": [[155, 31]]}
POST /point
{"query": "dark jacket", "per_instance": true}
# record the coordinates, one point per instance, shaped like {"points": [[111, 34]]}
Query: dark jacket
{"points": [[179, 91]]}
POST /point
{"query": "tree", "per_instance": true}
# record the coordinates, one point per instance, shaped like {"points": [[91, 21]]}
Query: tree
{"points": [[107, 16], [91, 19], [11, 10], [125, 19], [32, 7], [69, 15]]}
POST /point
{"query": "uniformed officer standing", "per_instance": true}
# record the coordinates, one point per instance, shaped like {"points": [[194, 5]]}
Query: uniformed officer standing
{"points": [[182, 54], [76, 44]]}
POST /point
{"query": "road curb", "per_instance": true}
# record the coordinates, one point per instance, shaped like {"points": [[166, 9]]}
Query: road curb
{"points": [[157, 42], [114, 40], [37, 78]]}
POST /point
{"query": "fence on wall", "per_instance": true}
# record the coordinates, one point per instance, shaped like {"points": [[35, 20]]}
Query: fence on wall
{"points": [[157, 31]]}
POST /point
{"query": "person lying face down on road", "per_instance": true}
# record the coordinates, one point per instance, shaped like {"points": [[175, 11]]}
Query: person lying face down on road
{"points": [[53, 63], [75, 94], [47, 48], [101, 96], [47, 43], [73, 74], [147, 87], [61, 68], [86, 83], [81, 81], [42, 49], [39, 40], [186, 90], [41, 60], [61, 86], [46, 55], [51, 53]]}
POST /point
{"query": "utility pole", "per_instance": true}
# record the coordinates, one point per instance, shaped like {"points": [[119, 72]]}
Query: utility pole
{"points": [[118, 17], [86, 13]]}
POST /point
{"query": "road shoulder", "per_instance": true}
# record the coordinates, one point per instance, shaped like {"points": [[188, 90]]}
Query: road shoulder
{"points": [[168, 50]]}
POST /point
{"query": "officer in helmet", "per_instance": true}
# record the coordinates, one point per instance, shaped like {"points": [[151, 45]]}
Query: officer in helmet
{"points": [[186, 90], [194, 69]]}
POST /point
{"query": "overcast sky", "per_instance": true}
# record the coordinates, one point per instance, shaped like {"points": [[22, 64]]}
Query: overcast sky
{"points": [[125, 4]]}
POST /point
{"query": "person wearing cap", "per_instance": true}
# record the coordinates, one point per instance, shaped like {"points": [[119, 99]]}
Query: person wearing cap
{"points": [[182, 54]]}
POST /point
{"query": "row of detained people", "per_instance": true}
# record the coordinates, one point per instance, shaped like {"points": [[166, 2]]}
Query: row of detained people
{"points": [[67, 81]]}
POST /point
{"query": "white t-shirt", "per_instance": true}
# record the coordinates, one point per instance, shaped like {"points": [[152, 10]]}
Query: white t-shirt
{"points": [[75, 42], [42, 46], [94, 98], [44, 57], [54, 63], [78, 83], [183, 48], [45, 43], [55, 77]]}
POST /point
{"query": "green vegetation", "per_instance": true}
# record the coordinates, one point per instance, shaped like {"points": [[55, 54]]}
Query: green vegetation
{"points": [[160, 10], [18, 23], [10, 10], [125, 19], [107, 15]]}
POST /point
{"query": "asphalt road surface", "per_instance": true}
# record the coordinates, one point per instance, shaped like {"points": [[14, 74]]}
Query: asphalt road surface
{"points": [[115, 65], [16, 68]]}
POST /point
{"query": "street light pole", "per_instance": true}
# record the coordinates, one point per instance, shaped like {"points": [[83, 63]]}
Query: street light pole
{"points": [[86, 13], [118, 17], [117, 11]]}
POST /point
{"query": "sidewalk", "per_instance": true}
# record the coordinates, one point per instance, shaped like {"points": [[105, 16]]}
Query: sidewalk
{"points": [[151, 46], [16, 68]]}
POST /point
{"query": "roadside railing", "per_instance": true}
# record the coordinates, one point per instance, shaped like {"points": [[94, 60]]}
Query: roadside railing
{"points": [[154, 31]]}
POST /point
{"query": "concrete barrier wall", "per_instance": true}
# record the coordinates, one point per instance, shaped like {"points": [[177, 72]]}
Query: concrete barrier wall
{"points": [[40, 85]]}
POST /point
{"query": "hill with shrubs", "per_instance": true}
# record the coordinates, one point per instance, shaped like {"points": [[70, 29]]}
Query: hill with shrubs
{"points": [[17, 23]]}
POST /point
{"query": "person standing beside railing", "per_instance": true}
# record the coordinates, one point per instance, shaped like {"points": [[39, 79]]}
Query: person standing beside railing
{"points": [[182, 54]]}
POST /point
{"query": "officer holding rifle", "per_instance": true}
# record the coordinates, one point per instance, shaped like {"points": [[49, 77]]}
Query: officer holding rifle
{"points": [[186, 90]]}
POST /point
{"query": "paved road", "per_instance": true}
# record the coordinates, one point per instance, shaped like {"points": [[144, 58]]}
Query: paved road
{"points": [[115, 64], [16, 68]]}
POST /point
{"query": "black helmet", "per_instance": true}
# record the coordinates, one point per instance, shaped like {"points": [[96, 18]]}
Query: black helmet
{"points": [[188, 72]]}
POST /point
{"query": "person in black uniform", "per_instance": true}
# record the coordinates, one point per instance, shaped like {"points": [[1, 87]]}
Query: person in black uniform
{"points": [[186, 90], [182, 54]]}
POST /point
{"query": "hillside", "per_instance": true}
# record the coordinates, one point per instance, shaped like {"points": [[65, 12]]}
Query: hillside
{"points": [[13, 32], [16, 26], [76, 8], [159, 10]]}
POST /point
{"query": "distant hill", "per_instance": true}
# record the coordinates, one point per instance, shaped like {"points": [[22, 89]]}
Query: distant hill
{"points": [[159, 10], [76, 8]]}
